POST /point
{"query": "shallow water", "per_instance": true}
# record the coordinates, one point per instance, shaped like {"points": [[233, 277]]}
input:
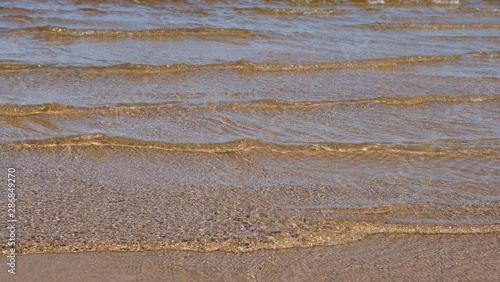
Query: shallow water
{"points": [[242, 125]]}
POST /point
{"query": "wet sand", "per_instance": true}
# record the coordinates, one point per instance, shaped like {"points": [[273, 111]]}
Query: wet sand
{"points": [[378, 257]]}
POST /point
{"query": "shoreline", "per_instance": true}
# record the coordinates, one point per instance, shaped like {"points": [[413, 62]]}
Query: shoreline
{"points": [[382, 256]]}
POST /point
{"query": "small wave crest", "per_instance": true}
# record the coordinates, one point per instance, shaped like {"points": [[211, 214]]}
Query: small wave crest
{"points": [[377, 64], [292, 12], [475, 10], [17, 66], [436, 26], [22, 110], [379, 2], [116, 33], [56, 108], [248, 144], [300, 234]]}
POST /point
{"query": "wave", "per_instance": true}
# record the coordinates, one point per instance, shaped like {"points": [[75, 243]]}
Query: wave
{"points": [[405, 2], [485, 38], [55, 108], [300, 234], [432, 98], [493, 54], [17, 10], [426, 212], [380, 64], [22, 110], [413, 100], [403, 101], [17, 66], [436, 26], [21, 18], [127, 2], [475, 10], [92, 11], [291, 12], [116, 33], [247, 144], [378, 2]]}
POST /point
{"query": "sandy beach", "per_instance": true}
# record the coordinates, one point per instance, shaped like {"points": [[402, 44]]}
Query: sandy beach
{"points": [[285, 140], [378, 257]]}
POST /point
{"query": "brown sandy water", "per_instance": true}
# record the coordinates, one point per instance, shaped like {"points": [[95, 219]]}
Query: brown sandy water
{"points": [[284, 132]]}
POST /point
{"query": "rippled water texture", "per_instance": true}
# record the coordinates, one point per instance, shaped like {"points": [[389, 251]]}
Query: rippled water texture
{"points": [[243, 125]]}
